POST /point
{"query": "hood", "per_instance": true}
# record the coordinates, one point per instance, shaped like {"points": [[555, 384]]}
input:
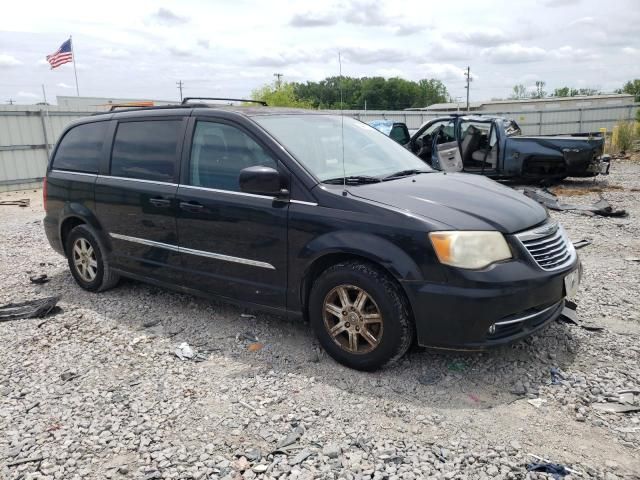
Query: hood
{"points": [[458, 200]]}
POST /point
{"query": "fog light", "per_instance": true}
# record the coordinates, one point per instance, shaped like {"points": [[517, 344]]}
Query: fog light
{"points": [[492, 329]]}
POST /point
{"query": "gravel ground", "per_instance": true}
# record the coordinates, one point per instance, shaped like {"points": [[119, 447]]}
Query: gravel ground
{"points": [[97, 392]]}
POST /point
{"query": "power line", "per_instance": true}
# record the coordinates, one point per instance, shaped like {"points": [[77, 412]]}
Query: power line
{"points": [[11, 101], [180, 84]]}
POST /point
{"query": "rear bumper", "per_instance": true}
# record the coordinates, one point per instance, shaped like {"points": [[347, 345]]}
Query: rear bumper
{"points": [[512, 301], [52, 231]]}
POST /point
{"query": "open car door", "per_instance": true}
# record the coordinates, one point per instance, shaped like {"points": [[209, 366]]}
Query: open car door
{"points": [[445, 152]]}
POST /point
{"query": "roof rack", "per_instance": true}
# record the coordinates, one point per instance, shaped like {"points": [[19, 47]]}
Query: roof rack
{"points": [[186, 100]]}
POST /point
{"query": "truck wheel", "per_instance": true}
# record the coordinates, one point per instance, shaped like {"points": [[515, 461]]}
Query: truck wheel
{"points": [[87, 262], [360, 315]]}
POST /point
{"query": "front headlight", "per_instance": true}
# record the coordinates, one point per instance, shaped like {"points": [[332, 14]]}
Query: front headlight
{"points": [[470, 249]]}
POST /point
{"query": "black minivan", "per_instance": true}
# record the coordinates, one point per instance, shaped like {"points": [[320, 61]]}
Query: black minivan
{"points": [[310, 215]]}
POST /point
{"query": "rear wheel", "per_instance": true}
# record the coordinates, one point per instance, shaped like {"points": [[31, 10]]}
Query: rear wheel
{"points": [[360, 315], [87, 263]]}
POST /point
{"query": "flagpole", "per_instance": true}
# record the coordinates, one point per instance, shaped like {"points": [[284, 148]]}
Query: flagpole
{"points": [[75, 71]]}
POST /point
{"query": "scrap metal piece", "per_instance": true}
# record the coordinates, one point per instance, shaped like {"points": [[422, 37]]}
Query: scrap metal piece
{"points": [[32, 309], [551, 201], [581, 244], [615, 407]]}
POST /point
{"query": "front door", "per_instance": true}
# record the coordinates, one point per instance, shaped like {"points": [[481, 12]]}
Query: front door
{"points": [[233, 244], [136, 197]]}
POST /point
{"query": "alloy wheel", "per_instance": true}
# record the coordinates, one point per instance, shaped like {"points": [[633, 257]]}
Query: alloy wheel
{"points": [[84, 259], [352, 319]]}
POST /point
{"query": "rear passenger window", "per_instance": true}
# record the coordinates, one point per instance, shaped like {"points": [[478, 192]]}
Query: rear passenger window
{"points": [[146, 150], [218, 154], [80, 148]]}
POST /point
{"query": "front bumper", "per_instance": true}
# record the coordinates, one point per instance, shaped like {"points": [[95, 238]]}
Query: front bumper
{"points": [[477, 310]]}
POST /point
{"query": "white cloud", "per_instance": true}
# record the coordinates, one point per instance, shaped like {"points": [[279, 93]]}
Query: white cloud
{"points": [[442, 71], [114, 53], [63, 85], [28, 95], [513, 53], [561, 3], [485, 38], [631, 51], [164, 16], [583, 21], [7, 61]]}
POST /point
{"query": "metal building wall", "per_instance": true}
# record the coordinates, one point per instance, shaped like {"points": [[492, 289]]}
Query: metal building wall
{"points": [[27, 134]]}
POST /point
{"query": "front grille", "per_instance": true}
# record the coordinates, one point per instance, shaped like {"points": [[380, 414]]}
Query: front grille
{"points": [[548, 245]]}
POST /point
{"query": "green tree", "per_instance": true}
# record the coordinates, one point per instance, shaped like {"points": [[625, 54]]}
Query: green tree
{"points": [[539, 93], [519, 92], [283, 96], [632, 87]]}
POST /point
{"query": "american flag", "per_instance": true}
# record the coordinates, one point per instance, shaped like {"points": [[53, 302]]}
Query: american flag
{"points": [[61, 56]]}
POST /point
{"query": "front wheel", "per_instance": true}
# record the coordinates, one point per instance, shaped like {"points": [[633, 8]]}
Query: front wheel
{"points": [[360, 315]]}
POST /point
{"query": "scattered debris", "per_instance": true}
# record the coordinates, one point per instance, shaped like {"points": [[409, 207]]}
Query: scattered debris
{"points": [[556, 376], [151, 323], [551, 201], [615, 407], [184, 351], [247, 315], [581, 244], [429, 378], [25, 460], [23, 202], [537, 402], [569, 315], [248, 336], [260, 468], [457, 366], [555, 469], [32, 309], [254, 347], [32, 406], [68, 376], [39, 279], [292, 437], [545, 461], [300, 456], [632, 259], [253, 455]]}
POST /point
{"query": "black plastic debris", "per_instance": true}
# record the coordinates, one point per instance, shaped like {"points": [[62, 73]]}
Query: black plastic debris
{"points": [[556, 376], [23, 202], [569, 315], [33, 309], [39, 279], [555, 469], [551, 201]]}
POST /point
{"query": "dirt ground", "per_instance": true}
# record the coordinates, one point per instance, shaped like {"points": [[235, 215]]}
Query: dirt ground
{"points": [[132, 409]]}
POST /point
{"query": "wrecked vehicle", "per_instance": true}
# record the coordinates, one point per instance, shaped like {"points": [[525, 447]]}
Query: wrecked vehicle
{"points": [[494, 146], [308, 215]]}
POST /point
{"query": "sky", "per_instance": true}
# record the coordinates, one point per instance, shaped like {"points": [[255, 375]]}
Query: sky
{"points": [[140, 49]]}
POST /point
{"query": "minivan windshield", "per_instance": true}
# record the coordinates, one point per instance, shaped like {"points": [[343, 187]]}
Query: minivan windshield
{"points": [[317, 142]]}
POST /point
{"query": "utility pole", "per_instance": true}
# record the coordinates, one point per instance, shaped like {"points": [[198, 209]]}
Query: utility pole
{"points": [[180, 85], [278, 79], [468, 75], [11, 101]]}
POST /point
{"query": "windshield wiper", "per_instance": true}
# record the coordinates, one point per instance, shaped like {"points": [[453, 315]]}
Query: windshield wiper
{"points": [[405, 173], [352, 180]]}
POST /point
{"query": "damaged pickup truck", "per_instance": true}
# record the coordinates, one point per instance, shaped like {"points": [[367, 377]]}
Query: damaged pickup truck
{"points": [[495, 147]]}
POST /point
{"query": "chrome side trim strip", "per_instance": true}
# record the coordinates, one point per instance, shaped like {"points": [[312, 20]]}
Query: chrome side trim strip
{"points": [[302, 202], [142, 180], [527, 317], [230, 192], [201, 253], [93, 175]]}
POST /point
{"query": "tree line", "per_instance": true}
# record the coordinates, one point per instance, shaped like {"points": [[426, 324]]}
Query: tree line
{"points": [[371, 93], [519, 91]]}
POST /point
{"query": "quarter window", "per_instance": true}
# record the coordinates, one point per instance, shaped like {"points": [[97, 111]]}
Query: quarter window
{"points": [[219, 152], [146, 150], [80, 148]]}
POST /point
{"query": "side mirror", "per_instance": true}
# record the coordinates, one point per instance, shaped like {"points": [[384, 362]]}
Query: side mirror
{"points": [[261, 181]]}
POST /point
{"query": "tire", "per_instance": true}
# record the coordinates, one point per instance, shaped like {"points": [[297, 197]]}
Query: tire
{"points": [[380, 340], [88, 265]]}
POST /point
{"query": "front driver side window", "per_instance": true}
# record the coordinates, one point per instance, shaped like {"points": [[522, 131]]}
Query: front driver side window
{"points": [[218, 153]]}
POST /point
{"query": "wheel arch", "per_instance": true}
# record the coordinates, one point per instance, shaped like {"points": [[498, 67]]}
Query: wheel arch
{"points": [[74, 214]]}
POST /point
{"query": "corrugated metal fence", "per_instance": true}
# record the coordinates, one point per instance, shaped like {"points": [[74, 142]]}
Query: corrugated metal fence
{"points": [[27, 133]]}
